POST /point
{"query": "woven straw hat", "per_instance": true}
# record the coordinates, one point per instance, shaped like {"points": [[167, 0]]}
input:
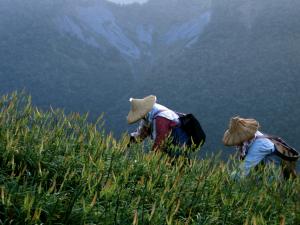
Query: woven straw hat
{"points": [[240, 130], [140, 108]]}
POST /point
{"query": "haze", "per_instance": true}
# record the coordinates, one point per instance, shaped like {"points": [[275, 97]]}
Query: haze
{"points": [[128, 1], [213, 58]]}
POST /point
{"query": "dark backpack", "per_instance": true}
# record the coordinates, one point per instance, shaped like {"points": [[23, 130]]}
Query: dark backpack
{"points": [[192, 127]]}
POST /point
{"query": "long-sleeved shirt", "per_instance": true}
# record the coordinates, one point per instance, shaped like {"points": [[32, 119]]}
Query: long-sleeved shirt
{"points": [[158, 125], [163, 130], [260, 150]]}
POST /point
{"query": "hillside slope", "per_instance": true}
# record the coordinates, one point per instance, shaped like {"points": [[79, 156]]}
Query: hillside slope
{"points": [[60, 169]]}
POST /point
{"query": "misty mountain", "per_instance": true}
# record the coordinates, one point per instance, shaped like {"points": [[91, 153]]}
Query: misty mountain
{"points": [[132, 31], [210, 57]]}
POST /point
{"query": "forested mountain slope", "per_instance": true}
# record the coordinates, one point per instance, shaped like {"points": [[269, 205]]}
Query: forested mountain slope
{"points": [[210, 57]]}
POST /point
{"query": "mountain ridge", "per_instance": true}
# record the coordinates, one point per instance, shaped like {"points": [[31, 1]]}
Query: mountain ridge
{"points": [[131, 41], [241, 63]]}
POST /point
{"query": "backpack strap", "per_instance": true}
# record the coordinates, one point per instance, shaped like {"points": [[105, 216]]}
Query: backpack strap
{"points": [[180, 113], [282, 149]]}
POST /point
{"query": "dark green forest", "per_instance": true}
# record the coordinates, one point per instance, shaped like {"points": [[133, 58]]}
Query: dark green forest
{"points": [[246, 61]]}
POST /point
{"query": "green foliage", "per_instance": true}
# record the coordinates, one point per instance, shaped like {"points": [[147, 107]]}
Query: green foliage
{"points": [[60, 169]]}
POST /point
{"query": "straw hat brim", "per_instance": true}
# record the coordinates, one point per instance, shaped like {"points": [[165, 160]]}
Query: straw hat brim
{"points": [[140, 108], [234, 139], [240, 130]]}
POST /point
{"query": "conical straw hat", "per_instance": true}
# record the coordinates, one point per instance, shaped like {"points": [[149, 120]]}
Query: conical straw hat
{"points": [[139, 108], [240, 130]]}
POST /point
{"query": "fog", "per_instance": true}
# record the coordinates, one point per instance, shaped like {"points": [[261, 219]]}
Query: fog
{"points": [[128, 1]]}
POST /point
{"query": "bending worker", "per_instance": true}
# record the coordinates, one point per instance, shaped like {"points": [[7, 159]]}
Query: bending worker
{"points": [[255, 148], [157, 122]]}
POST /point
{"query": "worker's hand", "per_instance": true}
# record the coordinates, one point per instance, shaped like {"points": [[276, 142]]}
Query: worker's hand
{"points": [[132, 140]]}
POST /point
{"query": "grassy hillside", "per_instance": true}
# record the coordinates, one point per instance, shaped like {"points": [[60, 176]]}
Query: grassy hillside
{"points": [[60, 169]]}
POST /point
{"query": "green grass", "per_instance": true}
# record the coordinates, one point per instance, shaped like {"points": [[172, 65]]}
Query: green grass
{"points": [[60, 169]]}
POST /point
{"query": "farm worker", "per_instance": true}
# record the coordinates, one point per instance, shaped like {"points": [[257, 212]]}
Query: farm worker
{"points": [[157, 122], [251, 144]]}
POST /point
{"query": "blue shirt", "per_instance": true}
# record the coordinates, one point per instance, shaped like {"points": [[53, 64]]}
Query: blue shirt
{"points": [[261, 150]]}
